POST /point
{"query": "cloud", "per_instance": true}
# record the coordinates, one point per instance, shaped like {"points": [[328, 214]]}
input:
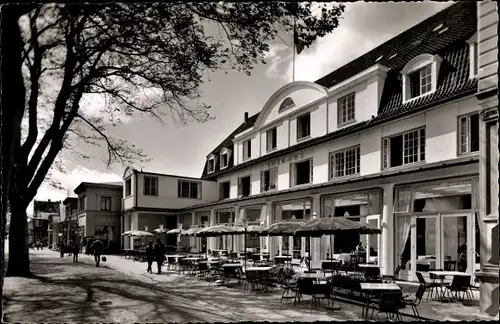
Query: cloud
{"points": [[363, 27], [70, 181]]}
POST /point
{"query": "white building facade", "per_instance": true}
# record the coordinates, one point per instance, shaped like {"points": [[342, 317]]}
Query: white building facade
{"points": [[391, 138]]}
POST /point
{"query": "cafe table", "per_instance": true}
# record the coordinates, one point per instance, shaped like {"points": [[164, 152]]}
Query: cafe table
{"points": [[449, 273], [312, 275], [370, 287], [368, 265]]}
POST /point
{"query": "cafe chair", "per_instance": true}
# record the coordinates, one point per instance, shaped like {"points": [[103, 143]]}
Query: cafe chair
{"points": [[393, 278], [459, 284], [428, 285], [390, 304], [414, 301]]}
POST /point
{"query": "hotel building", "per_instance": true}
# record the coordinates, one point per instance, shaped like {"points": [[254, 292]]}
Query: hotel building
{"points": [[392, 138]]}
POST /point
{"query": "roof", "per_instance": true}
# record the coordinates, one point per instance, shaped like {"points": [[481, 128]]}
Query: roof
{"points": [[453, 79], [67, 200], [84, 185]]}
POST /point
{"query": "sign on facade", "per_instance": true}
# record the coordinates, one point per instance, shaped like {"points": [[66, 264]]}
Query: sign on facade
{"points": [[287, 159]]}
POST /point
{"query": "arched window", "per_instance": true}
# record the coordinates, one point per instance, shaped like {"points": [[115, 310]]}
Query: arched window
{"points": [[420, 76], [287, 103]]}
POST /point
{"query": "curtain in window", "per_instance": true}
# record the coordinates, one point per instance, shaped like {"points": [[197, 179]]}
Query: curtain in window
{"points": [[404, 226]]}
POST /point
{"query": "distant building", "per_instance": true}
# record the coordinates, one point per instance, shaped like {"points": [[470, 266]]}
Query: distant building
{"points": [[69, 221], [98, 212], [43, 212]]}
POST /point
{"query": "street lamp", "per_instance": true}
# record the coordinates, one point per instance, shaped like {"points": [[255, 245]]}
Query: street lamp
{"points": [[245, 226]]}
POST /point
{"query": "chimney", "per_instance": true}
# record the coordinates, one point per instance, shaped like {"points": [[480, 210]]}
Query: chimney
{"points": [[246, 117]]}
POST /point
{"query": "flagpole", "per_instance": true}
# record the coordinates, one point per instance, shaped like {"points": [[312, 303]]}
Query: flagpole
{"points": [[293, 50]]}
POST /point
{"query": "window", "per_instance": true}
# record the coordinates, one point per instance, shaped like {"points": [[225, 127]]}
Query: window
{"points": [[189, 189], [302, 173], [82, 203], [420, 82], [303, 126], [223, 160], [244, 186], [247, 149], [344, 163], [224, 190], [128, 187], [271, 140], [269, 180], [105, 203], [150, 186], [404, 149], [345, 109], [211, 165], [468, 134], [287, 103]]}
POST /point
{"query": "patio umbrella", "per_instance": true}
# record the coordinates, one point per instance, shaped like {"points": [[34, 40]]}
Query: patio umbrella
{"points": [[219, 230], [160, 230], [176, 231], [282, 229], [136, 233], [332, 225]]}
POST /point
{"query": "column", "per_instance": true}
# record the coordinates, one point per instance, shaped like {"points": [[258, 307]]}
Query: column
{"points": [[316, 242], [269, 240], [239, 214], [193, 242], [488, 155], [211, 240], [387, 224]]}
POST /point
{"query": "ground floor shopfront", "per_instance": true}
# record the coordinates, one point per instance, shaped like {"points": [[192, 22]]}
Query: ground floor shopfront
{"points": [[104, 225], [427, 217]]}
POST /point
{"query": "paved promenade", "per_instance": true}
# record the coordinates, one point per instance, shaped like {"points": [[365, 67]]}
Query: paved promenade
{"points": [[122, 291]]}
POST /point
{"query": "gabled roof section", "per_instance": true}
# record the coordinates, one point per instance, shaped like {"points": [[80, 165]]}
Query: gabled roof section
{"points": [[228, 142], [85, 185], [460, 18]]}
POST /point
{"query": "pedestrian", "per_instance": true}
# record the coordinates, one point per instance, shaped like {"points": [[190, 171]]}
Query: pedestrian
{"points": [[61, 246], [37, 244], [159, 250], [98, 248], [70, 248], [150, 255], [76, 250], [89, 247]]}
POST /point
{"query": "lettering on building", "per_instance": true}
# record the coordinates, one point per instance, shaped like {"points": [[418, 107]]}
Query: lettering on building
{"points": [[287, 159]]}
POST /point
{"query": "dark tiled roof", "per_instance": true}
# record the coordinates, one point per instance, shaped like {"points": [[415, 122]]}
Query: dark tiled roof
{"points": [[84, 185], [460, 19], [453, 79]]}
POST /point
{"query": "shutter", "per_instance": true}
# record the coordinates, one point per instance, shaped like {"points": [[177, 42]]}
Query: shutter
{"points": [[240, 187], [179, 189], [386, 153]]}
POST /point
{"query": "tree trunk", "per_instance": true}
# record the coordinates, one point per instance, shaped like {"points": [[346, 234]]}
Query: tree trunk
{"points": [[19, 262], [13, 99]]}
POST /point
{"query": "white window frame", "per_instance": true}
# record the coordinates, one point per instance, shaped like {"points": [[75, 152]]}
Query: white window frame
{"points": [[416, 64], [474, 56], [270, 140], [180, 191], [345, 105], [104, 201], [209, 170], [424, 81], [152, 189], [333, 162], [467, 135], [386, 154], [247, 149], [220, 189], [292, 173], [273, 185], [222, 166], [240, 186], [301, 136]]}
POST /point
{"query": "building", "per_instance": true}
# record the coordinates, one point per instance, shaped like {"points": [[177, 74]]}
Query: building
{"points": [[98, 211], [392, 138], [68, 227], [43, 213]]}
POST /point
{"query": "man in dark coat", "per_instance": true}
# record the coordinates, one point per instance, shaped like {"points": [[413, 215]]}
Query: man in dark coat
{"points": [[62, 247], [98, 248], [150, 255], [76, 250], [159, 250]]}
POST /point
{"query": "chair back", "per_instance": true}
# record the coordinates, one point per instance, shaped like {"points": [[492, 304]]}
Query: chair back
{"points": [[421, 278], [419, 294], [203, 266], [234, 255], [170, 260], [372, 272], [398, 269], [390, 301], [305, 286], [460, 282], [332, 266]]}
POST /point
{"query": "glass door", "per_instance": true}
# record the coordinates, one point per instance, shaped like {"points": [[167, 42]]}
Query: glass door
{"points": [[373, 241], [457, 245], [425, 243]]}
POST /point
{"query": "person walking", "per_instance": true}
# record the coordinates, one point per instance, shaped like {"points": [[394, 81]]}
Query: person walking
{"points": [[70, 248], [159, 250], [62, 247], [150, 255], [98, 247], [76, 250]]}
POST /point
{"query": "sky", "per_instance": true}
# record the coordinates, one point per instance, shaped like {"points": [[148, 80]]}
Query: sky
{"points": [[182, 150]]}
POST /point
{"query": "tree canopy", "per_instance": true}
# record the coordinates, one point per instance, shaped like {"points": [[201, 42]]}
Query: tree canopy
{"points": [[141, 57]]}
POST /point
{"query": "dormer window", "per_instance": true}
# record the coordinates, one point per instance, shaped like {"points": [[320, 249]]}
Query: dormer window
{"points": [[420, 82], [420, 76], [247, 149], [223, 160], [474, 56], [211, 164]]}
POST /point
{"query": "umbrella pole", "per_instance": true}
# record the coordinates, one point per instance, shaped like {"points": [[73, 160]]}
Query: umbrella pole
{"points": [[331, 251], [309, 255], [245, 249]]}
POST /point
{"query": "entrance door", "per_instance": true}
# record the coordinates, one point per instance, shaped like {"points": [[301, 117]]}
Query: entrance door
{"points": [[425, 244], [457, 243]]}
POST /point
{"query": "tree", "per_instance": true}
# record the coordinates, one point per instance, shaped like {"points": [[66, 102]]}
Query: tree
{"points": [[142, 58]]}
